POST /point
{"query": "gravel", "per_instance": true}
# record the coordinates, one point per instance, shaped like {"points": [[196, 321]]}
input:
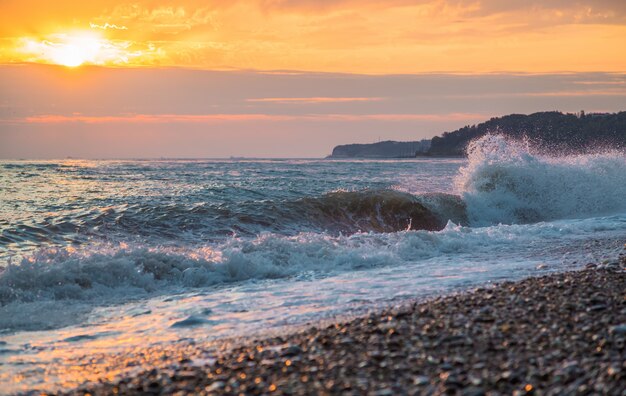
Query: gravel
{"points": [[560, 334]]}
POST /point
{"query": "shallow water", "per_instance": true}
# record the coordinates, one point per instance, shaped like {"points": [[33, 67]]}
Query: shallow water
{"points": [[103, 256]]}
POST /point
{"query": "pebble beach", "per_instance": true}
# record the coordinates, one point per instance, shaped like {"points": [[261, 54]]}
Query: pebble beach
{"points": [[556, 334]]}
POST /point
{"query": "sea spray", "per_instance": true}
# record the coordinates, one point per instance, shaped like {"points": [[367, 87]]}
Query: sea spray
{"points": [[114, 275], [505, 182], [164, 228]]}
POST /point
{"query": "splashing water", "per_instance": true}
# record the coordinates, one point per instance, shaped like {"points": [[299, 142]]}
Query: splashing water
{"points": [[504, 182], [109, 255]]}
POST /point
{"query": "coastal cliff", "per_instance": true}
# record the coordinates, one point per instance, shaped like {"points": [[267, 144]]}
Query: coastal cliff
{"points": [[553, 131], [386, 149]]}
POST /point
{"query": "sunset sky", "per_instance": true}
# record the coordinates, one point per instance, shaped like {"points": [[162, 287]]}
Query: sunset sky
{"points": [[291, 78]]}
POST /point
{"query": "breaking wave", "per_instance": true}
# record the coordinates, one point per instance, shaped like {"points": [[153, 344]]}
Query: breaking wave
{"points": [[508, 198], [505, 182], [61, 274], [100, 274], [340, 212]]}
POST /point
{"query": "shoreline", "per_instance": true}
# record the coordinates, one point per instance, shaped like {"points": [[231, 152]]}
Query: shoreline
{"points": [[560, 333]]}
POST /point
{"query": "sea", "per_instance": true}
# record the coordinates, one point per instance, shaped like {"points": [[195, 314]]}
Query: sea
{"points": [[102, 257]]}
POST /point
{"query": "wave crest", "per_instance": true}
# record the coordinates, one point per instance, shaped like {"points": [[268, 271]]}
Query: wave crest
{"points": [[505, 182], [372, 211]]}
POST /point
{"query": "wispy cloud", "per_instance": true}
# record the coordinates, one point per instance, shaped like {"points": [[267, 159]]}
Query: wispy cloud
{"points": [[406, 117], [170, 19], [150, 118], [604, 92], [220, 118], [546, 94], [395, 36], [107, 26], [314, 100], [607, 82]]}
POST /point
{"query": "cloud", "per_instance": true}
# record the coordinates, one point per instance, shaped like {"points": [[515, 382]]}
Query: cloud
{"points": [[107, 26], [548, 94], [407, 117], [148, 118], [48, 111], [221, 118], [170, 19], [581, 9], [313, 100], [358, 36]]}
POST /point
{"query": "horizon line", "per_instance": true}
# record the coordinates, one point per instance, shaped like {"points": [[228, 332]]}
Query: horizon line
{"points": [[313, 72]]}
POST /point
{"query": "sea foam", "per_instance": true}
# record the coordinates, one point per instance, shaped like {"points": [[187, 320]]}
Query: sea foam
{"points": [[505, 182], [515, 201]]}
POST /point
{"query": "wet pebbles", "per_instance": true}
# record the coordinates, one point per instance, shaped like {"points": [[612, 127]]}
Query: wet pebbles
{"points": [[561, 334]]}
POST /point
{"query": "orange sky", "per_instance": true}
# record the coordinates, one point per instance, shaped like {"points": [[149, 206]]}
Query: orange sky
{"points": [[291, 78], [353, 36]]}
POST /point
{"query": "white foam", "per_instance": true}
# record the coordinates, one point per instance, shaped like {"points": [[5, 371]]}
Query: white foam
{"points": [[504, 182], [72, 281]]}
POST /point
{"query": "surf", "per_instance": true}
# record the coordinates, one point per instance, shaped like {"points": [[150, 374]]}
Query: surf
{"points": [[506, 181], [507, 200]]}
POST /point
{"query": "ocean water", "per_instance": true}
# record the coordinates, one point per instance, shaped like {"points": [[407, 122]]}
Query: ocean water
{"points": [[102, 257]]}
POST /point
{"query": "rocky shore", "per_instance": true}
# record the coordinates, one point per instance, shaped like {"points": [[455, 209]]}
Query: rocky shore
{"points": [[559, 334]]}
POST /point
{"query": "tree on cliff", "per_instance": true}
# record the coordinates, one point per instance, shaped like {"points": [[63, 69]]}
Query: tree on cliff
{"points": [[554, 131]]}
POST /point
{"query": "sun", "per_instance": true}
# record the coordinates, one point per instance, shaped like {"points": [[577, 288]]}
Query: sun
{"points": [[74, 50]]}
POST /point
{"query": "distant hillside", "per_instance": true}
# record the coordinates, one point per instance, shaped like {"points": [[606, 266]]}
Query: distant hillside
{"points": [[386, 149], [550, 130]]}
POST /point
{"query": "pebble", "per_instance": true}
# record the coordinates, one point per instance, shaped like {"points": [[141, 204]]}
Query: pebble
{"points": [[555, 334], [292, 350], [421, 380], [216, 386], [619, 329]]}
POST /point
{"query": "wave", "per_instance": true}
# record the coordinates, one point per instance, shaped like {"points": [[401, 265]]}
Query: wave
{"points": [[59, 274], [506, 182], [59, 281], [187, 245], [68, 273], [340, 212], [380, 211], [55, 280]]}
